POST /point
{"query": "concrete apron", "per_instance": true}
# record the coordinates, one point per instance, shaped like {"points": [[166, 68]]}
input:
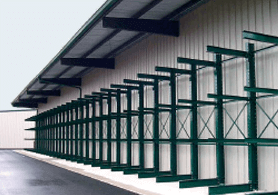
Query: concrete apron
{"points": [[128, 182]]}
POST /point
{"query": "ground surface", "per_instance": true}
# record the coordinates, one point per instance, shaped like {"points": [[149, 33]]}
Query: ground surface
{"points": [[22, 175]]}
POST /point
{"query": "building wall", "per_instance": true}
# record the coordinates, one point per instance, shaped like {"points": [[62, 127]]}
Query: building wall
{"points": [[12, 133], [218, 23]]}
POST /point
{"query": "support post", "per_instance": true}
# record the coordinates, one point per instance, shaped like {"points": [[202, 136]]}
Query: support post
{"points": [[71, 131], [129, 127], [76, 131], [109, 127], [100, 128], [93, 130], [87, 104], [118, 128], [220, 162], [156, 127], [194, 124], [141, 127], [67, 129], [252, 117], [173, 124], [81, 129]]}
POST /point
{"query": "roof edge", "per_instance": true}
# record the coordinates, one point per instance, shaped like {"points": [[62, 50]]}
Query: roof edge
{"points": [[102, 11]]}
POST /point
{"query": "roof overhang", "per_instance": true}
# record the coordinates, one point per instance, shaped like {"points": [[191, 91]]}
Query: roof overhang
{"points": [[99, 44]]}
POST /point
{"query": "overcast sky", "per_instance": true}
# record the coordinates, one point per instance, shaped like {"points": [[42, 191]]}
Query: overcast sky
{"points": [[32, 32]]}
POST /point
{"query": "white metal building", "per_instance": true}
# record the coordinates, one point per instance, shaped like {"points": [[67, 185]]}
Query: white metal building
{"points": [[12, 125], [134, 49]]}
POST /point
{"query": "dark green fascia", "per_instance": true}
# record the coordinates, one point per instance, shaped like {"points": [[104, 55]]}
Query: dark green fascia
{"points": [[195, 62], [259, 37], [230, 52]]}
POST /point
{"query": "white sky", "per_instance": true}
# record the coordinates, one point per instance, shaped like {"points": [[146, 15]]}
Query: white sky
{"points": [[32, 32]]}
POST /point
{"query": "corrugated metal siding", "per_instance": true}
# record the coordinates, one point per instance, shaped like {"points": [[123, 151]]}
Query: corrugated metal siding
{"points": [[218, 23], [12, 133]]}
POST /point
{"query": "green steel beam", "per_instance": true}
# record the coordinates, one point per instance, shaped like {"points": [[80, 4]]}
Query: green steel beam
{"points": [[63, 131], [231, 52], [76, 132], [252, 117], [150, 174], [220, 161], [71, 132], [141, 126], [131, 87], [152, 76], [173, 125], [226, 189], [31, 129], [261, 140], [57, 131], [194, 125], [198, 102], [68, 130], [109, 127], [129, 127], [91, 96], [156, 126], [174, 70], [263, 193], [195, 62], [171, 178], [138, 82], [192, 183], [261, 90], [132, 170], [259, 37], [112, 90], [93, 124], [100, 122], [228, 97], [99, 94], [52, 132], [33, 118], [87, 150], [120, 167], [176, 107]]}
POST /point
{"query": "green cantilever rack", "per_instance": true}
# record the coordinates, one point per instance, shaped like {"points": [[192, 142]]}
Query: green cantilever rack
{"points": [[76, 130]]}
